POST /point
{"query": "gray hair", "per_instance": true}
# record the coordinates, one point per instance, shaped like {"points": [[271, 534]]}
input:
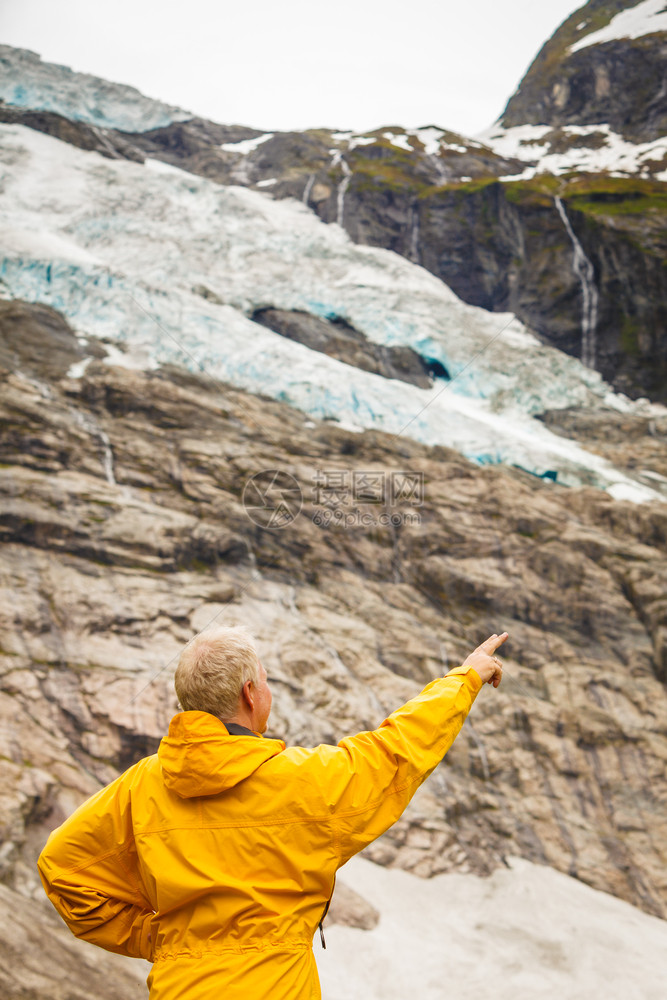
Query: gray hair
{"points": [[213, 668]]}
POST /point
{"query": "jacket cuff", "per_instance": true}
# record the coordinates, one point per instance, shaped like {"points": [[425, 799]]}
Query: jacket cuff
{"points": [[473, 680]]}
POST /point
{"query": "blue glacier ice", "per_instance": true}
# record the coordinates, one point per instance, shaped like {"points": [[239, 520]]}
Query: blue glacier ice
{"points": [[27, 82], [124, 251]]}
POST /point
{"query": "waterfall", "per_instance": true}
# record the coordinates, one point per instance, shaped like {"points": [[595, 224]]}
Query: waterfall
{"points": [[308, 188], [338, 161], [107, 458], [342, 188], [89, 424], [413, 223], [583, 269]]}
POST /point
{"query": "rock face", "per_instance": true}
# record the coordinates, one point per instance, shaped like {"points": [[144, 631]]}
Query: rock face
{"points": [[339, 339], [107, 142], [124, 530], [40, 958], [349, 909], [622, 81], [503, 246]]}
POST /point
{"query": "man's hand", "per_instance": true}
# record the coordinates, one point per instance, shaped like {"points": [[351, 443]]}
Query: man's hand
{"points": [[488, 666]]}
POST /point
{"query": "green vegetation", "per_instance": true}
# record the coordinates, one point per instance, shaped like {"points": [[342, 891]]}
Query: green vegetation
{"points": [[539, 191], [469, 187], [396, 174], [600, 194], [593, 194], [630, 336]]}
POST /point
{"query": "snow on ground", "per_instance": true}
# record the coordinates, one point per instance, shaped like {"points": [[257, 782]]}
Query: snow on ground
{"points": [[245, 146], [642, 19], [27, 82], [526, 933], [401, 140], [352, 141], [431, 137], [615, 155], [121, 249]]}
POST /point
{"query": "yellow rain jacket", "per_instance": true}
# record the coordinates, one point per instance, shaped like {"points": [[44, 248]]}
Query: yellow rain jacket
{"points": [[215, 858]]}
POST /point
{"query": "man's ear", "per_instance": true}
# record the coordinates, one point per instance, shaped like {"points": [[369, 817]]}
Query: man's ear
{"points": [[248, 695]]}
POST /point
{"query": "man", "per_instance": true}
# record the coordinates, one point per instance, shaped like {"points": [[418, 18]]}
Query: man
{"points": [[216, 858]]}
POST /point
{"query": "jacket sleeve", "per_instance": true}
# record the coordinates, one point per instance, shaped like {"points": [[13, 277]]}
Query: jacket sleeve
{"points": [[369, 779], [89, 871]]}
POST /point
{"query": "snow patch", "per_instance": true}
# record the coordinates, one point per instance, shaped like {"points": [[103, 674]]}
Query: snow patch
{"points": [[401, 141], [525, 931], [135, 359], [431, 138], [246, 146], [361, 140], [78, 369], [615, 155], [515, 142], [643, 19]]}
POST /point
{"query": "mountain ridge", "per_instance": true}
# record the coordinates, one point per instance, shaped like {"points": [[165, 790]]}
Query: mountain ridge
{"points": [[574, 81]]}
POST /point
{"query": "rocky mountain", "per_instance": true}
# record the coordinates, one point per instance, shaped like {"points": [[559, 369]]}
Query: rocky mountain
{"points": [[124, 529], [556, 214], [176, 319], [605, 65]]}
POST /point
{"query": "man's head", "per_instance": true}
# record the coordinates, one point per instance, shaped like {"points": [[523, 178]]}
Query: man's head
{"points": [[219, 672]]}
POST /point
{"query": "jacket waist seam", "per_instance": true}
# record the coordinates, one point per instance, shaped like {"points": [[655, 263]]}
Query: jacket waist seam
{"points": [[286, 944]]}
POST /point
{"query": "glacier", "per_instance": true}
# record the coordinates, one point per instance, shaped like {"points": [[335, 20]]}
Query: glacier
{"points": [[170, 267], [27, 82]]}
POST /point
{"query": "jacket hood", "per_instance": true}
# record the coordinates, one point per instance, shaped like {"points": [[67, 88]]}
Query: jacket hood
{"points": [[199, 757]]}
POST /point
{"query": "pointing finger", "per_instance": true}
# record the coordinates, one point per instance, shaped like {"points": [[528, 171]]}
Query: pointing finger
{"points": [[491, 644]]}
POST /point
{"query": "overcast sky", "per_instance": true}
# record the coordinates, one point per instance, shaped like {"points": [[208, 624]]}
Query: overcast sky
{"points": [[295, 64]]}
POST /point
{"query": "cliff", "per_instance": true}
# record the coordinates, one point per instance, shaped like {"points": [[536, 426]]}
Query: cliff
{"points": [[129, 520], [124, 530], [605, 64]]}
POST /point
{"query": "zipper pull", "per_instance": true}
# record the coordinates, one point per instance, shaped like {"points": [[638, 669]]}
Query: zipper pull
{"points": [[324, 944]]}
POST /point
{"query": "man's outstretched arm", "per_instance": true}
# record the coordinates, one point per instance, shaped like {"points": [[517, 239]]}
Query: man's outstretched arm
{"points": [[369, 779]]}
